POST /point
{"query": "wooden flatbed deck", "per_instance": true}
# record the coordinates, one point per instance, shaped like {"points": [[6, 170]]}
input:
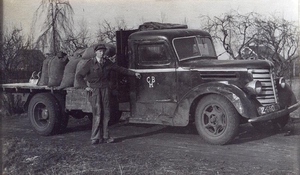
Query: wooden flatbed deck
{"points": [[24, 87], [30, 87]]}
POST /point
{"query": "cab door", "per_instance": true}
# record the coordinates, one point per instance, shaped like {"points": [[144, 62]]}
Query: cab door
{"points": [[154, 100]]}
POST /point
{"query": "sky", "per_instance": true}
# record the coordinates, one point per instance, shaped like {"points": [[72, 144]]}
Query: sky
{"points": [[20, 12]]}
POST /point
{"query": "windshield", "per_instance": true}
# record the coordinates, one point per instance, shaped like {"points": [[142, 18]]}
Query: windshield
{"points": [[191, 47]]}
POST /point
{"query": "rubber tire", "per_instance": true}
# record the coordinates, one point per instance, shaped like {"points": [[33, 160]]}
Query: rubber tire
{"points": [[49, 102], [230, 114], [64, 116]]}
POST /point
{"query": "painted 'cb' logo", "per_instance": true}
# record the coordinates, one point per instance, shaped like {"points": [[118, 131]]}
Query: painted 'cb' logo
{"points": [[151, 81]]}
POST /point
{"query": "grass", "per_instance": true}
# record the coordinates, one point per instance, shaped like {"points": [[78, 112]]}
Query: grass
{"points": [[25, 157], [33, 156]]}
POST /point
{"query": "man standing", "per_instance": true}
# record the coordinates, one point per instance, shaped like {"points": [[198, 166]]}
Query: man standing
{"points": [[97, 71]]}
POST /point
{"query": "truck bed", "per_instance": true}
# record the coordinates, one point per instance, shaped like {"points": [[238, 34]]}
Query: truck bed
{"points": [[24, 87]]}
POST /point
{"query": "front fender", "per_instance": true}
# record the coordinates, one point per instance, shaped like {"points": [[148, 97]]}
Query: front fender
{"points": [[234, 94], [286, 96]]}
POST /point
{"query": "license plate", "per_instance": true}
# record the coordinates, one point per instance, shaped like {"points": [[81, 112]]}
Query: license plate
{"points": [[267, 109]]}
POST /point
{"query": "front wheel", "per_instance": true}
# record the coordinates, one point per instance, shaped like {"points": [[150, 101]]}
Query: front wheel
{"points": [[44, 111], [216, 119]]}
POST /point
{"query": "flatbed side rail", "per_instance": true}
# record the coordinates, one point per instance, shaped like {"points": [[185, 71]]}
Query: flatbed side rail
{"points": [[24, 87]]}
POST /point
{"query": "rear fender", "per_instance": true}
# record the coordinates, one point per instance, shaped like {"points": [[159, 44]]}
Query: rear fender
{"points": [[235, 95]]}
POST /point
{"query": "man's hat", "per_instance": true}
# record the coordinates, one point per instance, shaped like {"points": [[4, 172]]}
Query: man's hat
{"points": [[100, 47]]}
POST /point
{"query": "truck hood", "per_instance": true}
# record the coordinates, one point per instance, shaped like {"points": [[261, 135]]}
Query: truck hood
{"points": [[247, 64]]}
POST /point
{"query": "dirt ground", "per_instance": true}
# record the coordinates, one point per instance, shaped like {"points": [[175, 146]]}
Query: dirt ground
{"points": [[147, 149]]}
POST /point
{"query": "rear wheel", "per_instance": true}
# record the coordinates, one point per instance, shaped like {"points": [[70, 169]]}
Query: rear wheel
{"points": [[44, 112], [216, 119]]}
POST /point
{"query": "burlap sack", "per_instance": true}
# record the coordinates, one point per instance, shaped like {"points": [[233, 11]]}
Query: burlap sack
{"points": [[110, 50], [89, 53], [78, 53], [81, 63], [43, 81], [56, 71], [69, 74]]}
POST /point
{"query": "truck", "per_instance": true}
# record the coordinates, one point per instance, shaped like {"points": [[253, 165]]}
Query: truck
{"points": [[182, 82]]}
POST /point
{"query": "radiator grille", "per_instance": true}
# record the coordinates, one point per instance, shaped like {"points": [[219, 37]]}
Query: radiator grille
{"points": [[269, 93]]}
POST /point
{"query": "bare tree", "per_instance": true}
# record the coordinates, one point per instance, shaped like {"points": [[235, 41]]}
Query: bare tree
{"points": [[83, 34], [80, 39], [255, 36], [57, 24], [281, 37], [12, 42], [107, 31], [185, 21], [233, 30], [163, 17]]}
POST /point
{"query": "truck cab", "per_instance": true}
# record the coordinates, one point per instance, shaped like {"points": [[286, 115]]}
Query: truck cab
{"points": [[183, 81], [159, 56]]}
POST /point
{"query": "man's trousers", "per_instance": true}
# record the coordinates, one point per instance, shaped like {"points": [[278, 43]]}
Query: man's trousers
{"points": [[100, 102]]}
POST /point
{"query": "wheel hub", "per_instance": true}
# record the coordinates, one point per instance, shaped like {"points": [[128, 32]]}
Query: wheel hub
{"points": [[214, 120], [45, 114]]}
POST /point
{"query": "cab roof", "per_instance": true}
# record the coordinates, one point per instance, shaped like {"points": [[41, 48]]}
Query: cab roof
{"points": [[167, 34]]}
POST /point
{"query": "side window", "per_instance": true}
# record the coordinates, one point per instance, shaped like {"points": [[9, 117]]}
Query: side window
{"points": [[153, 54], [186, 47], [192, 47], [206, 47]]}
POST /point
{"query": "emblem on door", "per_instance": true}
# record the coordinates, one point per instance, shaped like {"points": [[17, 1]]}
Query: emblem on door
{"points": [[151, 81]]}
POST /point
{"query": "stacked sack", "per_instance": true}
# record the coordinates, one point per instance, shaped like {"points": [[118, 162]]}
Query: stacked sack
{"points": [[52, 70], [43, 81], [56, 68], [60, 71], [68, 77]]}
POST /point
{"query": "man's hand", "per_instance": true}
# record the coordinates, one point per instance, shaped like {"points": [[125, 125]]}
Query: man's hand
{"points": [[88, 89], [138, 75]]}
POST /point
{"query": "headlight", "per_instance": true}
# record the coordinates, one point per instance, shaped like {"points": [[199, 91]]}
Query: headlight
{"points": [[281, 82], [255, 87]]}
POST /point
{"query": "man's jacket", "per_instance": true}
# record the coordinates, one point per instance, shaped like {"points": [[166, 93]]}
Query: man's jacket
{"points": [[98, 75]]}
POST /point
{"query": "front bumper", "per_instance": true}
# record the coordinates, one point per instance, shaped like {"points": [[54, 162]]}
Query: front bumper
{"points": [[276, 114]]}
